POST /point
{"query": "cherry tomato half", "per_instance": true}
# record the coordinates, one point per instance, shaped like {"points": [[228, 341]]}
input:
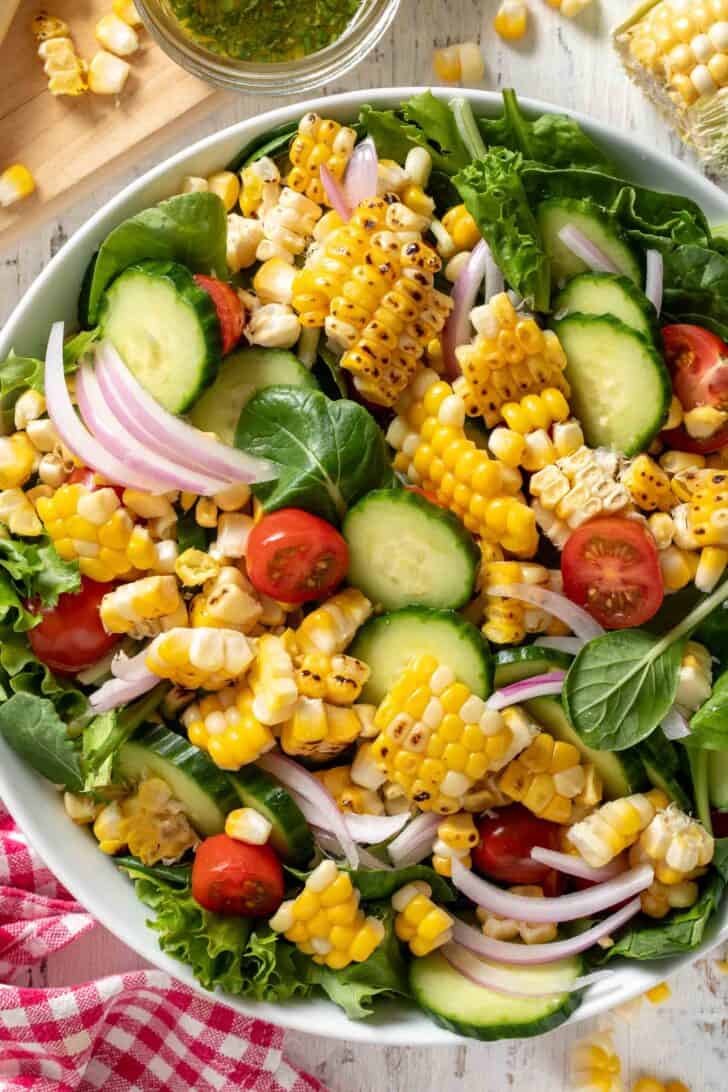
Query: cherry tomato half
{"points": [[698, 363], [230, 310], [294, 556], [232, 877], [71, 635], [506, 841], [610, 567], [83, 475]]}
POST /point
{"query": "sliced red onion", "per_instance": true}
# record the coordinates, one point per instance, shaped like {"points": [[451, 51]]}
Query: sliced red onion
{"points": [[513, 981], [370, 861], [505, 951], [464, 294], [577, 242], [372, 829], [675, 725], [570, 645], [166, 434], [96, 671], [575, 866], [335, 193], [118, 692], [653, 278], [416, 840], [494, 281], [360, 180], [300, 781], [580, 904], [329, 844], [130, 668], [577, 619], [535, 687]]}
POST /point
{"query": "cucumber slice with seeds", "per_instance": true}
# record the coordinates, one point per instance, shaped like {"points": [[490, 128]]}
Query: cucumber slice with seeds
{"points": [[608, 294], [560, 212], [290, 836]]}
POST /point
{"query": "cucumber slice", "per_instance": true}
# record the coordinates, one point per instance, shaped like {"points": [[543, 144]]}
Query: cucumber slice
{"points": [[290, 836], [165, 329], [718, 779], [514, 664], [386, 644], [620, 387], [405, 552], [467, 1009], [608, 294], [621, 773], [558, 212], [203, 789], [241, 375]]}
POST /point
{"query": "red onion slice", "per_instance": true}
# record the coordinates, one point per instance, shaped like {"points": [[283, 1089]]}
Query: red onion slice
{"points": [[653, 279], [464, 293], [506, 951], [130, 668], [577, 242], [675, 725], [329, 844], [335, 194], [580, 904], [513, 981], [570, 645], [166, 434], [535, 687], [575, 866], [416, 840], [362, 173], [494, 280], [118, 692], [577, 619], [372, 829]]}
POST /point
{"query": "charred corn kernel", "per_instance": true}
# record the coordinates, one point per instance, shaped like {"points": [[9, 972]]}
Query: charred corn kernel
{"points": [[678, 847], [248, 825], [437, 739], [273, 682], [227, 601], [18, 514], [224, 725], [508, 929], [456, 836], [116, 35], [16, 182], [318, 143], [318, 730], [349, 796], [659, 993], [545, 778], [107, 73], [706, 493], [195, 567], [459, 63], [45, 26], [337, 679], [434, 451], [615, 826], [141, 607], [90, 526], [507, 621], [511, 20], [415, 198], [509, 358], [244, 236], [595, 1065], [483, 795], [579, 487], [695, 678], [678, 567], [419, 921], [649, 485], [17, 460], [81, 809], [331, 627], [110, 829], [155, 827], [127, 11], [288, 226], [62, 65], [461, 227], [325, 921], [205, 659], [260, 186], [226, 185]]}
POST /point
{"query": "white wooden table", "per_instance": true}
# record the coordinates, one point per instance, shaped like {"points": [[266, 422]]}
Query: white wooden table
{"points": [[571, 64]]}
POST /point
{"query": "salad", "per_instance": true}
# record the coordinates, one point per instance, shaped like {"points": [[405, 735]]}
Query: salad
{"points": [[362, 579]]}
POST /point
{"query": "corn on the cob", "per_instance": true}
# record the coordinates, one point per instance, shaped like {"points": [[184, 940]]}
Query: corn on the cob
{"points": [[461, 63], [434, 452], [248, 825], [526, 440], [205, 659], [91, 526], [318, 142], [330, 628], [706, 495], [695, 678], [349, 796], [507, 621], [62, 65], [318, 730], [151, 822], [16, 182], [545, 778], [615, 826], [436, 738], [272, 680], [337, 679], [287, 226], [227, 601], [678, 847], [648, 484], [509, 357], [224, 725], [511, 20], [420, 922], [483, 795], [508, 929], [325, 921], [595, 1065], [18, 514], [456, 836], [576, 488], [261, 187], [144, 608]]}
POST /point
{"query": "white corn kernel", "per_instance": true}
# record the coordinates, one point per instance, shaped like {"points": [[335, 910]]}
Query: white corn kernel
{"points": [[456, 265], [116, 35], [29, 407], [43, 434], [402, 898], [274, 326], [322, 876], [248, 825], [107, 74], [418, 166], [244, 236]]}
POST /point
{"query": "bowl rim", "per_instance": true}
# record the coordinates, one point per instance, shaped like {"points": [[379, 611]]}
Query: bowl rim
{"points": [[393, 1024]]}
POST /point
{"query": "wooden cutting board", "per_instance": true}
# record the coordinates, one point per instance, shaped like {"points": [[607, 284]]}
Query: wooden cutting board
{"points": [[69, 143]]}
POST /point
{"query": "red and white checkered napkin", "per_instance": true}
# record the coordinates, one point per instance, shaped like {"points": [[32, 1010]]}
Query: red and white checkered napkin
{"points": [[136, 1032]]}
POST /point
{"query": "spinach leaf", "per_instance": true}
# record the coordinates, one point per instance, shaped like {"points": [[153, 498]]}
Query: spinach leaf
{"points": [[330, 374], [713, 633], [31, 726], [373, 884], [190, 228], [22, 673], [493, 193], [328, 454], [106, 733], [273, 142], [696, 282], [175, 875], [394, 137], [190, 536], [709, 726], [437, 121]]}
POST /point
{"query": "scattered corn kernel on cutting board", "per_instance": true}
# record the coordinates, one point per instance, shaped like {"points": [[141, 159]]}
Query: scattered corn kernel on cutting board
{"points": [[69, 143]]}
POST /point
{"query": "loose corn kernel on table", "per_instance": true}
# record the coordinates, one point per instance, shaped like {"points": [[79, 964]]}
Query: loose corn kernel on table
{"points": [[569, 63]]}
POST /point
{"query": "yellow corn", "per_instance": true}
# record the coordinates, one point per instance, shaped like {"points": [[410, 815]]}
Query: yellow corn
{"points": [[576, 488], [91, 526], [150, 822], [420, 922], [318, 730], [224, 725], [16, 182], [456, 836], [260, 189], [678, 847], [18, 514], [144, 608], [227, 601], [659, 898], [507, 621], [248, 825], [659, 993], [325, 921], [483, 795], [116, 35], [508, 929], [319, 142], [546, 778], [144, 553], [462, 228], [459, 63], [434, 451], [227, 187], [273, 682], [64, 68], [437, 739], [330, 628], [678, 567], [707, 512], [110, 829], [511, 20], [526, 441], [127, 11], [595, 1065], [195, 567], [81, 809], [337, 679], [615, 826], [206, 659], [17, 460], [349, 796], [695, 678], [509, 357], [288, 226], [711, 566], [649, 485]]}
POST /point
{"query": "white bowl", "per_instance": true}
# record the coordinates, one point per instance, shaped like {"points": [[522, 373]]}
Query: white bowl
{"points": [[70, 851]]}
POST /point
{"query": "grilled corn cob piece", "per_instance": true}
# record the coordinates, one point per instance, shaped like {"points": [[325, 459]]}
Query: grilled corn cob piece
{"points": [[325, 921], [62, 65], [337, 679], [261, 187], [331, 627], [91, 526], [507, 929], [678, 847], [273, 681], [318, 730], [695, 679], [615, 826], [437, 739], [576, 488], [224, 725], [227, 601], [318, 142], [456, 836], [527, 441], [648, 484], [205, 659], [434, 452], [18, 514], [545, 778], [349, 796], [419, 921], [16, 182], [507, 621], [151, 822], [707, 511], [509, 357], [595, 1065], [144, 608], [287, 226]]}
